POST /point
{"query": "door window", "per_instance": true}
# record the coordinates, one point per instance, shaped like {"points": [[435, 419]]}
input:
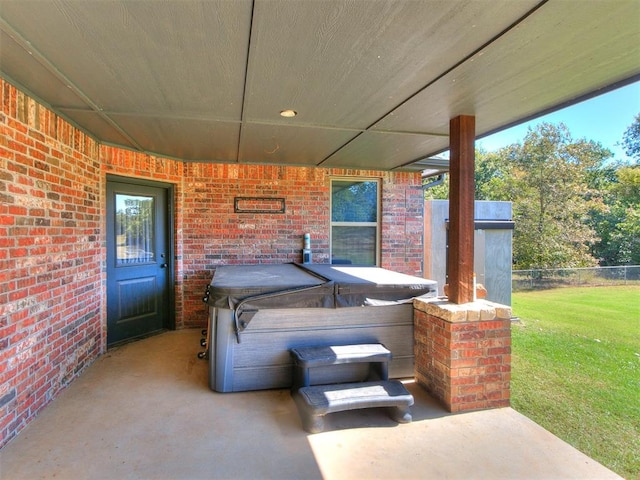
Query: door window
{"points": [[134, 229]]}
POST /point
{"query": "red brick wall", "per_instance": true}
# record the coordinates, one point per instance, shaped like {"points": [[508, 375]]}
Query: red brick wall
{"points": [[402, 223], [52, 240], [209, 233], [463, 353], [51, 295], [215, 235]]}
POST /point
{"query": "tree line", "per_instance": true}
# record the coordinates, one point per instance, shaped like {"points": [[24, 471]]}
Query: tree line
{"points": [[574, 205]]}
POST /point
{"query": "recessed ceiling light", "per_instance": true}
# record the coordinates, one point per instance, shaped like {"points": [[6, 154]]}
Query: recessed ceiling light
{"points": [[288, 113]]}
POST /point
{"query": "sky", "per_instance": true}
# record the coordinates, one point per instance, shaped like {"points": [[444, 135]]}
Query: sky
{"points": [[602, 119]]}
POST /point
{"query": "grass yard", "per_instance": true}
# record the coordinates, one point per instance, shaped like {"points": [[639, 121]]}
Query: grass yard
{"points": [[576, 369]]}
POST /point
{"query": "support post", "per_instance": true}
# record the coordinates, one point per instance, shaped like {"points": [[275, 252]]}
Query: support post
{"points": [[461, 204]]}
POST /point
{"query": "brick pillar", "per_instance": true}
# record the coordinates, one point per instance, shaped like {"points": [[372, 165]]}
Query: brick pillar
{"points": [[463, 353]]}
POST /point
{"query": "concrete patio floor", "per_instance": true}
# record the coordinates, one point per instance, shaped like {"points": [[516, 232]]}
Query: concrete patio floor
{"points": [[144, 411]]}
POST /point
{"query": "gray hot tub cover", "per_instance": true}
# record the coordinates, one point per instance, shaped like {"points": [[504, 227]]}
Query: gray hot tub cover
{"points": [[246, 289]]}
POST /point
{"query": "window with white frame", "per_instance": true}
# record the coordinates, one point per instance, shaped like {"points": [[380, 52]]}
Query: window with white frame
{"points": [[355, 221]]}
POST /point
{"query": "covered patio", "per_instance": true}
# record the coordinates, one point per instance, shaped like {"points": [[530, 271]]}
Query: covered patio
{"points": [[215, 101], [144, 410]]}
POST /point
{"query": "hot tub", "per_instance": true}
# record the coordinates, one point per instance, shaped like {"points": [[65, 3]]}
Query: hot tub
{"points": [[258, 312]]}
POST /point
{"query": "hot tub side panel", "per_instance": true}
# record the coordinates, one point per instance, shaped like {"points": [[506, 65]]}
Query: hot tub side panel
{"points": [[262, 360]]}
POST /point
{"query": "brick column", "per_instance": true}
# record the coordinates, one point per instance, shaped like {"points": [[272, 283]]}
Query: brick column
{"points": [[463, 353]]}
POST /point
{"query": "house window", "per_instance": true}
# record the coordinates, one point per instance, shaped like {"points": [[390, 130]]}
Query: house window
{"points": [[355, 228]]}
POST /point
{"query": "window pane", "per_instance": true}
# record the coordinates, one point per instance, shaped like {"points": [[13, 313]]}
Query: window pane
{"points": [[355, 245], [134, 229], [354, 201]]}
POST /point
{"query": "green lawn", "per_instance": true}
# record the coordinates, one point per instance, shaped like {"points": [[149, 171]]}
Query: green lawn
{"points": [[576, 369]]}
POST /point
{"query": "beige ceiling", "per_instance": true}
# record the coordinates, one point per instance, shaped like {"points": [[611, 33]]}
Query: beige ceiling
{"points": [[374, 82]]}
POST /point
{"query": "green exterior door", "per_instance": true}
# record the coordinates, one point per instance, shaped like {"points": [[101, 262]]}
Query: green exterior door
{"points": [[138, 261]]}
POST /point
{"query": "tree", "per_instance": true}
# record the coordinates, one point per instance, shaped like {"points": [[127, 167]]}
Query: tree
{"points": [[617, 224], [572, 205], [626, 236], [548, 178], [493, 176], [438, 190], [627, 189], [491, 172], [631, 139]]}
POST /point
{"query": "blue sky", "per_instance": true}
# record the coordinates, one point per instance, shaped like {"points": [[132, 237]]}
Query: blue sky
{"points": [[603, 119]]}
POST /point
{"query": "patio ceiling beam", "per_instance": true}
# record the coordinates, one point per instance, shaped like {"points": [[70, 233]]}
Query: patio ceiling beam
{"points": [[461, 205]]}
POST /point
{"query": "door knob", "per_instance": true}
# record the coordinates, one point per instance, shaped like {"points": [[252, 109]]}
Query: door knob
{"points": [[163, 265]]}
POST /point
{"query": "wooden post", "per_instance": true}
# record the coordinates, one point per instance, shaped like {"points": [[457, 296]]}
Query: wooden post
{"points": [[461, 208]]}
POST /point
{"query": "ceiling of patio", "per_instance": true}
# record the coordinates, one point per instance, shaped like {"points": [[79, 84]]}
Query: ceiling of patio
{"points": [[374, 82]]}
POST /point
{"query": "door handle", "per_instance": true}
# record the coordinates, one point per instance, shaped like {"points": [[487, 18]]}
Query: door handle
{"points": [[163, 265]]}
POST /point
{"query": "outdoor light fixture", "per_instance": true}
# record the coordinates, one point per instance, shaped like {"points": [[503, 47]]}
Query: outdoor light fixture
{"points": [[288, 113]]}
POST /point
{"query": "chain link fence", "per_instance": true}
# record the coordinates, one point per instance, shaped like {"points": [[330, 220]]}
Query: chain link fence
{"points": [[574, 277]]}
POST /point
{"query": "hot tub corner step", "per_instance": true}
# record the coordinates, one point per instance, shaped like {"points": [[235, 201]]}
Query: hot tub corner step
{"points": [[314, 402], [309, 357]]}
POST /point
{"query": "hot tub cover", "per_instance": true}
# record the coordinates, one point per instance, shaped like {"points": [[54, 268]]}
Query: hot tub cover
{"points": [[268, 284], [371, 286], [246, 289]]}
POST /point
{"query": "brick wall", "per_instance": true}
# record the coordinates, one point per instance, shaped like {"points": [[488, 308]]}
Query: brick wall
{"points": [[402, 223], [209, 233], [51, 296], [215, 235], [463, 353], [52, 240]]}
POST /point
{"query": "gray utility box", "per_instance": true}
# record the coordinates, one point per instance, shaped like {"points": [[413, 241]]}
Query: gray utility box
{"points": [[257, 313], [492, 246]]}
